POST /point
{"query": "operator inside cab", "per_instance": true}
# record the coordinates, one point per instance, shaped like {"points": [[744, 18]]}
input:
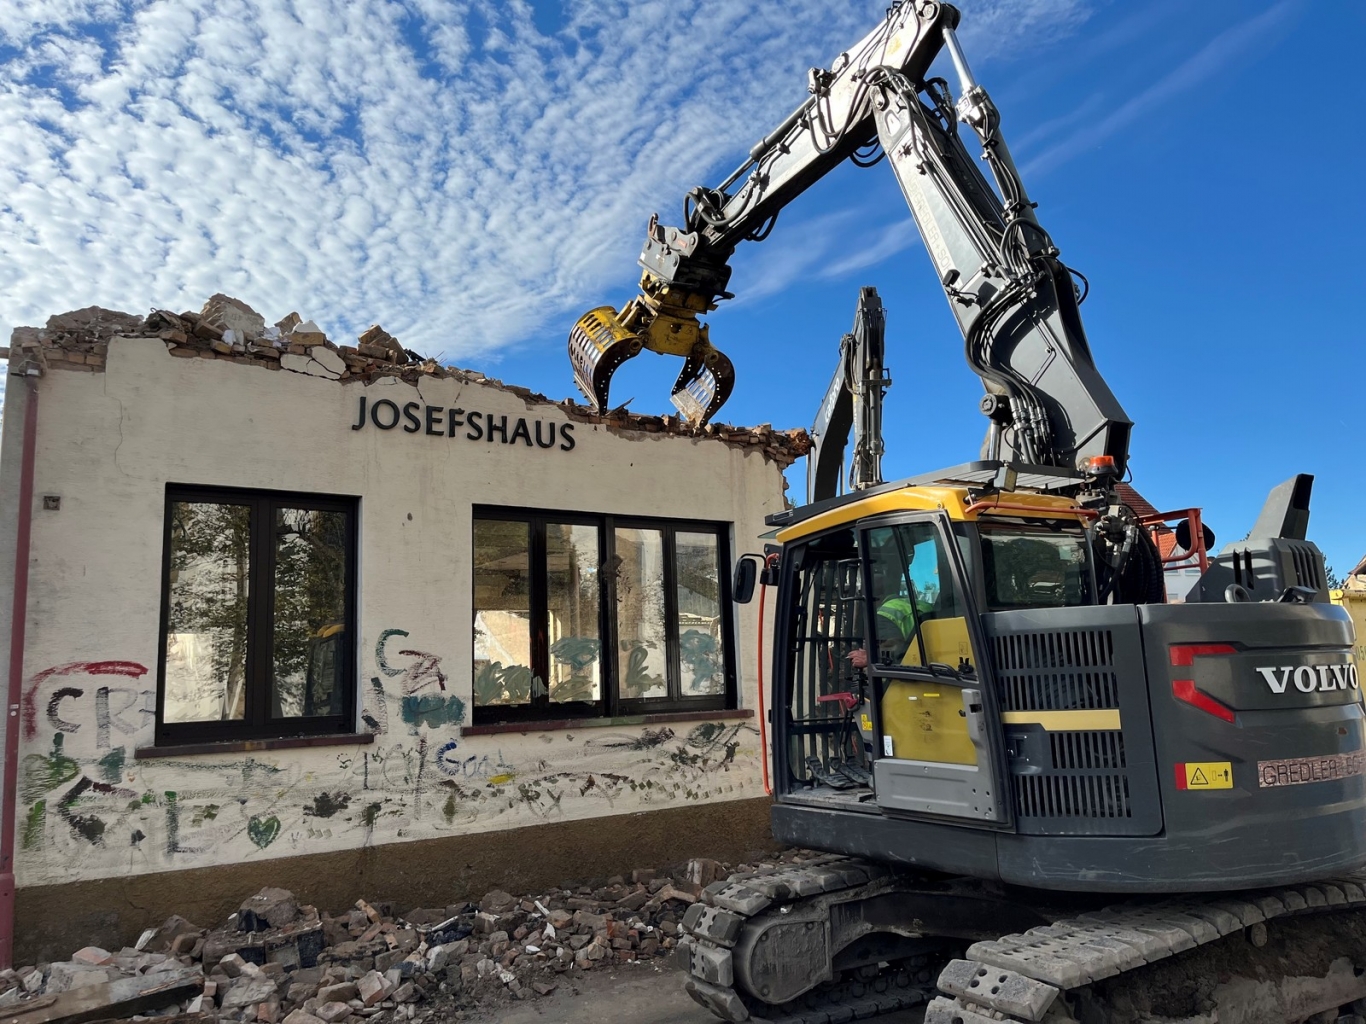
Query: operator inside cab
{"points": [[920, 616]]}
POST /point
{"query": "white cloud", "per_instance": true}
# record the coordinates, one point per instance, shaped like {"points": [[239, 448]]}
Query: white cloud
{"points": [[440, 167], [1222, 51]]}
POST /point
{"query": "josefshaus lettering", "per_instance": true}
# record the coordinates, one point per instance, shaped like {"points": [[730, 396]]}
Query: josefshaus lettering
{"points": [[443, 421]]}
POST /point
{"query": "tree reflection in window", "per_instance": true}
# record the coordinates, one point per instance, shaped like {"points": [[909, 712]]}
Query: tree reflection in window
{"points": [[502, 613], [642, 626], [206, 623], [310, 611]]}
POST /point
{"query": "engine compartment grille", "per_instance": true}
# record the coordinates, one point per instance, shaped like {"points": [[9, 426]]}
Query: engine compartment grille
{"points": [[1056, 671]]}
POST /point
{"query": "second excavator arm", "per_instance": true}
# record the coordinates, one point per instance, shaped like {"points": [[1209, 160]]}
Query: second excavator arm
{"points": [[852, 404], [1015, 301]]}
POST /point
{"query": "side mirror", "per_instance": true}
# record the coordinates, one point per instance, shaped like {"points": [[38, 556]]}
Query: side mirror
{"points": [[850, 576], [1183, 535], [746, 575]]}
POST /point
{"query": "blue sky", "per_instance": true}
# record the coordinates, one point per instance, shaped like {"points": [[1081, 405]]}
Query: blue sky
{"points": [[474, 175]]}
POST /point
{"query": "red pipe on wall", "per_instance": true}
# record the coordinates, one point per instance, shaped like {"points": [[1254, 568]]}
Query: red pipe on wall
{"points": [[763, 721], [9, 789], [763, 715]]}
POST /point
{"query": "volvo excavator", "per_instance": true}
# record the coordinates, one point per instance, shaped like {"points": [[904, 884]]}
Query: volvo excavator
{"points": [[1034, 789]]}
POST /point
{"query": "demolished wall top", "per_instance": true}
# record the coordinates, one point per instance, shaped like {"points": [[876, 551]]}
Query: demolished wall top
{"points": [[228, 329]]}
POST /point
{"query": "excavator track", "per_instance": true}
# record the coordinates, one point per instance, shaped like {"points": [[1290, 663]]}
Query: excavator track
{"points": [[716, 926], [1281, 956]]}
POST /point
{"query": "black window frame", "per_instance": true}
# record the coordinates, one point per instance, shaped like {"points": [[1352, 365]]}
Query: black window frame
{"points": [[257, 723], [610, 704]]}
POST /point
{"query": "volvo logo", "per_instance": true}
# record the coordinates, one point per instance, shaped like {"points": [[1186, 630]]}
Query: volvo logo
{"points": [[1308, 678]]}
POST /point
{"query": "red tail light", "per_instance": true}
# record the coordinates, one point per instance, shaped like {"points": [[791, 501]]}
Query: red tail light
{"points": [[1183, 656]]}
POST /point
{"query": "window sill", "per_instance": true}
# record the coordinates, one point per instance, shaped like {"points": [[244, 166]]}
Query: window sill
{"points": [[241, 746], [557, 724]]}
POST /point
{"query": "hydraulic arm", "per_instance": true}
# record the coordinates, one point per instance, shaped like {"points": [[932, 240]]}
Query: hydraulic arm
{"points": [[853, 402], [1016, 303]]}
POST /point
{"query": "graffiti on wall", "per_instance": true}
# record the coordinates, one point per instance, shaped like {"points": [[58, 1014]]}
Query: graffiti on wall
{"points": [[83, 791]]}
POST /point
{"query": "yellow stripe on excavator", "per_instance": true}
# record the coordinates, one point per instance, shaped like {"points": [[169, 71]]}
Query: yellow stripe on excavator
{"points": [[1065, 721], [953, 500]]}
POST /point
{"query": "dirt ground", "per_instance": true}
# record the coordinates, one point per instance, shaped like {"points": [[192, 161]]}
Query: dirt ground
{"points": [[648, 992]]}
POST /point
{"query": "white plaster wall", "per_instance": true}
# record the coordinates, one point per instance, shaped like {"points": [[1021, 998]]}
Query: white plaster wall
{"points": [[108, 443]]}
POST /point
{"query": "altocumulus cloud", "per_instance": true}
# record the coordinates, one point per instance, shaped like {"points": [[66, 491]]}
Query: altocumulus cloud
{"points": [[449, 169]]}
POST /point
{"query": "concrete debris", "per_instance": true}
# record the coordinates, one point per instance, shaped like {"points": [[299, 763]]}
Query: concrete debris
{"points": [[229, 314], [279, 960], [229, 329]]}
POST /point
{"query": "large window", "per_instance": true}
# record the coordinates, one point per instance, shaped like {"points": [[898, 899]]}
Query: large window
{"points": [[594, 615], [258, 616]]}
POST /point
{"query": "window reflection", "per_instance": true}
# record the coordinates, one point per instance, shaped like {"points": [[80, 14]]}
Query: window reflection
{"points": [[572, 596], [699, 614], [642, 631], [502, 614], [309, 636], [206, 626]]}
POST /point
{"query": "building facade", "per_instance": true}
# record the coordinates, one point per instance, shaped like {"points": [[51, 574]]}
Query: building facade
{"points": [[347, 622]]}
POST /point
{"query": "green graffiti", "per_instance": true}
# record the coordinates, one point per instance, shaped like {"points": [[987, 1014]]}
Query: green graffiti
{"points": [[514, 684], [263, 831], [434, 710], [202, 814], [449, 809], [42, 774], [578, 652], [33, 826], [700, 652], [111, 765], [384, 666]]}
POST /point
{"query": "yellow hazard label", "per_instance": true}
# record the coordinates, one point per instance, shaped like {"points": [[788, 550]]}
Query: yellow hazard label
{"points": [[867, 723], [1206, 775]]}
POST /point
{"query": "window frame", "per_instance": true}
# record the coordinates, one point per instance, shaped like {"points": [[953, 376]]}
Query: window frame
{"points": [[610, 703], [257, 722]]}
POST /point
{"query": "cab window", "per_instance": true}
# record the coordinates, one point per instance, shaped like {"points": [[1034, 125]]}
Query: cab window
{"points": [[919, 615], [1035, 566]]}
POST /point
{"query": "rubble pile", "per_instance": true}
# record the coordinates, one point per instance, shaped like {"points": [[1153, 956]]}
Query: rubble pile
{"points": [[277, 960], [228, 329]]}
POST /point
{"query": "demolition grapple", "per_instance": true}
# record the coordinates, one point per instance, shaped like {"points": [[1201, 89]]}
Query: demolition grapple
{"points": [[663, 319]]}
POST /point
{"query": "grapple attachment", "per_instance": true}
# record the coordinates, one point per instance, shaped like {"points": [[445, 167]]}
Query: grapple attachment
{"points": [[601, 341], [706, 382], [598, 343]]}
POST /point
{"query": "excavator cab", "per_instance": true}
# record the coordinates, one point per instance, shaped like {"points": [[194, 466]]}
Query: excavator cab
{"points": [[1014, 718]]}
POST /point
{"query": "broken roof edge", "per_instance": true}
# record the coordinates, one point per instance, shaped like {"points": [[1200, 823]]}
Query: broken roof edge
{"points": [[80, 339]]}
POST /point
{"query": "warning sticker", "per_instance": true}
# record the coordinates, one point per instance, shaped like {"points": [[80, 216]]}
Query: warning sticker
{"points": [[1296, 771], [1204, 775]]}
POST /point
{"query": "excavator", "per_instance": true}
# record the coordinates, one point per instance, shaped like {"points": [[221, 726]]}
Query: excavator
{"points": [[1034, 790]]}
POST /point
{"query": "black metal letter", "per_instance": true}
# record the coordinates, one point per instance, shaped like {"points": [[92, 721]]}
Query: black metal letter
{"points": [[454, 418], [521, 431], [433, 413], [410, 414], [549, 442], [502, 427], [567, 435], [374, 414], [360, 422], [476, 431]]}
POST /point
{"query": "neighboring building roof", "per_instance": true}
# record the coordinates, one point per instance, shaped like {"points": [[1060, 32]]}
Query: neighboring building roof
{"points": [[230, 330], [1141, 505]]}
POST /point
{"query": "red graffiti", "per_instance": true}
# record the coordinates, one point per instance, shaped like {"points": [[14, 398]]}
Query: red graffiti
{"points": [[426, 671], [76, 668]]}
